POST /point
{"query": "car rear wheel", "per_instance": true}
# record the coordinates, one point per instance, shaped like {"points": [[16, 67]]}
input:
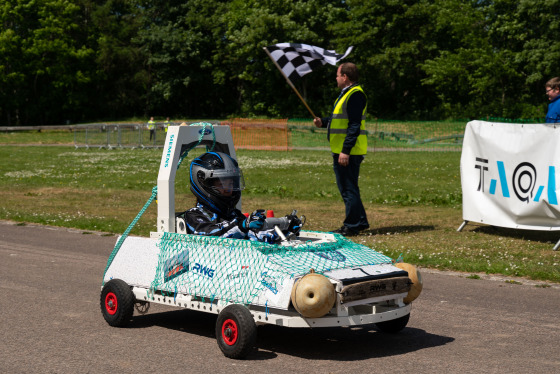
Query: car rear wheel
{"points": [[117, 303], [236, 331]]}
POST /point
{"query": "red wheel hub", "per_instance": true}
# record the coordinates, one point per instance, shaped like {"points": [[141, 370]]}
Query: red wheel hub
{"points": [[111, 303], [229, 331]]}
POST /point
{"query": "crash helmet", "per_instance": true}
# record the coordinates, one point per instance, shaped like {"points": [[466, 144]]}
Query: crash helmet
{"points": [[217, 181]]}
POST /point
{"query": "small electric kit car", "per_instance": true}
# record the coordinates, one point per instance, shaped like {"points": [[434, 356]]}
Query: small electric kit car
{"points": [[313, 279]]}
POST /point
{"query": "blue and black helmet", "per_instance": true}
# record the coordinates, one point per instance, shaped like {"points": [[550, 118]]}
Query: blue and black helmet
{"points": [[216, 181]]}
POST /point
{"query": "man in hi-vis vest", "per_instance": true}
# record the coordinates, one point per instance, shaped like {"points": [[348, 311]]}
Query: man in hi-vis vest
{"points": [[347, 137], [152, 127]]}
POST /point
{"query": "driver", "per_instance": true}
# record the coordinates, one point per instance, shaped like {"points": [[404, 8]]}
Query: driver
{"points": [[217, 181]]}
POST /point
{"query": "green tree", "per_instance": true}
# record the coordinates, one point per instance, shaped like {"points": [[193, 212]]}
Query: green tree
{"points": [[206, 58], [12, 76], [252, 25], [503, 52], [392, 39], [180, 39], [528, 31], [122, 80], [84, 60], [47, 62], [465, 73]]}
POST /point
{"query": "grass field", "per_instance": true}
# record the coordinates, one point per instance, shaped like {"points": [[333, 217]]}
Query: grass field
{"points": [[413, 200], [37, 137], [426, 135]]}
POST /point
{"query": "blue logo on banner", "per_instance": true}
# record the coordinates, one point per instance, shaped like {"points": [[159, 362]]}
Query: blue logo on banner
{"points": [[523, 181], [206, 131]]}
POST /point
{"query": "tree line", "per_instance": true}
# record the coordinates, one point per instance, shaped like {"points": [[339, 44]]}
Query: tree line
{"points": [[88, 60]]}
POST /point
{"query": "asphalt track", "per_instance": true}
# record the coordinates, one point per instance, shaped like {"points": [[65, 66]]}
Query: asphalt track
{"points": [[51, 323]]}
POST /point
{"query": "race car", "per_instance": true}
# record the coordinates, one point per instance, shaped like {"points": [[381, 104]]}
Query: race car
{"points": [[312, 279]]}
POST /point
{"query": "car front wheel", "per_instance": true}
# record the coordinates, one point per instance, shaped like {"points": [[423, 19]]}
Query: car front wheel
{"points": [[117, 303]]}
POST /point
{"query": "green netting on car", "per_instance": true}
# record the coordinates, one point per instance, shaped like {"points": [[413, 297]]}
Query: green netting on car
{"points": [[238, 270]]}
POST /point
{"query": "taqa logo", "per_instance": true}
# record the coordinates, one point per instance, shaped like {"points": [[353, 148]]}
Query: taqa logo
{"points": [[523, 181], [203, 270], [205, 131]]}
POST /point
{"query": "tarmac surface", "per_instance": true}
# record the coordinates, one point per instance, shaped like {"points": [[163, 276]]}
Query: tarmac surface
{"points": [[50, 279]]}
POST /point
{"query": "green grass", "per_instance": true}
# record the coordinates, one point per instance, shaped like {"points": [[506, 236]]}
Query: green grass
{"points": [[413, 200], [473, 276], [37, 137], [424, 135]]}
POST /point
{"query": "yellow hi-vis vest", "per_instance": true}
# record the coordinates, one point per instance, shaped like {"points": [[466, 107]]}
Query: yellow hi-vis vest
{"points": [[151, 125], [339, 125]]}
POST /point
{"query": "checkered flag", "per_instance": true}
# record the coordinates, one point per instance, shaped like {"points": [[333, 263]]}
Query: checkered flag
{"points": [[295, 60]]}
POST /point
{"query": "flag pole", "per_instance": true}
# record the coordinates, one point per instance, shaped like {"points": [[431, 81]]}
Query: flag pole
{"points": [[290, 82]]}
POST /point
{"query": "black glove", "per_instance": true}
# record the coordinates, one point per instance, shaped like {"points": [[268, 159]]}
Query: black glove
{"points": [[294, 224], [255, 221]]}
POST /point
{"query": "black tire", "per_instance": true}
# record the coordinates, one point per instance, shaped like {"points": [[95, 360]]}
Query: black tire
{"points": [[393, 326], [236, 331], [117, 303]]}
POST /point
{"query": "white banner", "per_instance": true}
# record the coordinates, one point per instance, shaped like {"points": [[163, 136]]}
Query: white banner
{"points": [[510, 175]]}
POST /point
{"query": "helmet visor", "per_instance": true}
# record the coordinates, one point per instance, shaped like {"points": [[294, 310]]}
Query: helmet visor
{"points": [[224, 183]]}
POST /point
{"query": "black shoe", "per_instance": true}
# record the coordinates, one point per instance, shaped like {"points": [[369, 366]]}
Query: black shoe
{"points": [[345, 231]]}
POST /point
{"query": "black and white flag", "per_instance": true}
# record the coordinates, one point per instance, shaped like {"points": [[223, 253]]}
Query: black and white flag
{"points": [[296, 59]]}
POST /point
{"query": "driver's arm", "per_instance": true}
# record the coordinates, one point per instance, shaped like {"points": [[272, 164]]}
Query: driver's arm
{"points": [[200, 223]]}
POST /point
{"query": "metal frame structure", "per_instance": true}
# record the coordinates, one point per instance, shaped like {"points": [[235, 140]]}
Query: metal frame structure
{"points": [[341, 315]]}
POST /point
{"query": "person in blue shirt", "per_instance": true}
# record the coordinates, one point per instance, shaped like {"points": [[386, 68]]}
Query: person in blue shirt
{"points": [[552, 88]]}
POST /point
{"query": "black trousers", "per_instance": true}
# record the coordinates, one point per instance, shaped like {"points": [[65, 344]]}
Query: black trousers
{"points": [[347, 182]]}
